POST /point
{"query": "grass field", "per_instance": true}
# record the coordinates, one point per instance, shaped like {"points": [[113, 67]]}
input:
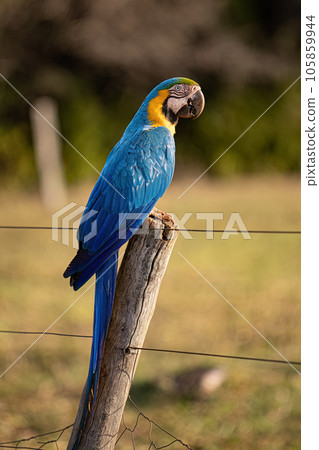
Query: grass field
{"points": [[257, 406]]}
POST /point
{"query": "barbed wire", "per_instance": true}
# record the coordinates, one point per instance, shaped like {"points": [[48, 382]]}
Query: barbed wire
{"points": [[163, 350], [190, 230]]}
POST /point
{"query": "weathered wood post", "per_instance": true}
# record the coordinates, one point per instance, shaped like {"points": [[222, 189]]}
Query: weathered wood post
{"points": [[137, 287]]}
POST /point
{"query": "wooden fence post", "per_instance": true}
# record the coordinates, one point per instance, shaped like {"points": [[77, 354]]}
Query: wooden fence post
{"points": [[137, 287]]}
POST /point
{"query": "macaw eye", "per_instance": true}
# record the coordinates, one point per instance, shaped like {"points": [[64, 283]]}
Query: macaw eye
{"points": [[178, 88]]}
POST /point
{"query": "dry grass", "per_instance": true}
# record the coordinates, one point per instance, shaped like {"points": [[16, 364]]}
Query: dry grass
{"points": [[258, 405]]}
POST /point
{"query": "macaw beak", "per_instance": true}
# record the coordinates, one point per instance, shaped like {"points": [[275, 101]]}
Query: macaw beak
{"points": [[194, 107]]}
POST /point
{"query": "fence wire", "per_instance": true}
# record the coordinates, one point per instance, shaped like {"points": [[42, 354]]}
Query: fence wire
{"points": [[162, 350], [152, 425], [190, 230], [55, 440], [125, 431]]}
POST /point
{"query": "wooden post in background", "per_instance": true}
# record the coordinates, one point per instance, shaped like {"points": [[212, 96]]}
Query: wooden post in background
{"points": [[47, 148], [137, 287]]}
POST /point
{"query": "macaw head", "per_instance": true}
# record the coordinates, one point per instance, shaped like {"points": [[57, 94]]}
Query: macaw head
{"points": [[166, 103], [173, 99], [184, 98]]}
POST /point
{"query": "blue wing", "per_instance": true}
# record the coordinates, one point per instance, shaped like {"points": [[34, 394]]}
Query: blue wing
{"points": [[136, 174]]}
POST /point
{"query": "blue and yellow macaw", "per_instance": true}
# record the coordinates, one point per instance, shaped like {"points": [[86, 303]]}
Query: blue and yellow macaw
{"points": [[137, 172]]}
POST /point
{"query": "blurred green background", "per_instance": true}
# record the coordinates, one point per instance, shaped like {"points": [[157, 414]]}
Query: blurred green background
{"points": [[99, 60]]}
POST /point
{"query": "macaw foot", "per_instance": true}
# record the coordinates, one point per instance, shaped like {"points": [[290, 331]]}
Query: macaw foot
{"points": [[162, 215]]}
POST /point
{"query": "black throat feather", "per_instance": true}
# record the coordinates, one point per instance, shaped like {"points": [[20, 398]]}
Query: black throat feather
{"points": [[168, 113]]}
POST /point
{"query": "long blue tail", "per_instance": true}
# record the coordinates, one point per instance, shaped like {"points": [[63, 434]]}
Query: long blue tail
{"points": [[104, 295]]}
